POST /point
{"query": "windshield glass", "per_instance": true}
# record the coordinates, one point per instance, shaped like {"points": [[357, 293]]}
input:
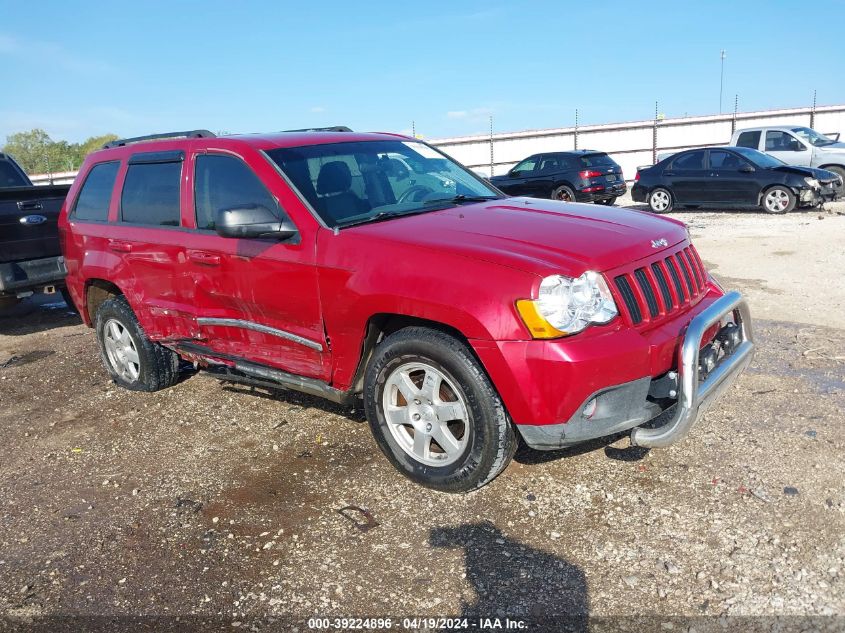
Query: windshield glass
{"points": [[764, 161], [362, 181], [813, 137]]}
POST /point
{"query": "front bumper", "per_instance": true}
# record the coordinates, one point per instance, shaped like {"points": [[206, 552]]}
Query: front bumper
{"points": [[29, 275], [695, 396], [544, 382]]}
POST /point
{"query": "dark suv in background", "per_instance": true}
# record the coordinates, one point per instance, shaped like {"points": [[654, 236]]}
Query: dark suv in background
{"points": [[578, 176]]}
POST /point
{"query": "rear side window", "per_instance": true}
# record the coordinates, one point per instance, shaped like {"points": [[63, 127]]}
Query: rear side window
{"points": [[9, 176], [749, 139], [95, 195], [151, 194], [693, 160], [225, 182]]}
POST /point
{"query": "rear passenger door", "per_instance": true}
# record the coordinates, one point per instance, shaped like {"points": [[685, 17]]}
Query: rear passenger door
{"points": [[148, 239], [688, 178], [256, 299]]}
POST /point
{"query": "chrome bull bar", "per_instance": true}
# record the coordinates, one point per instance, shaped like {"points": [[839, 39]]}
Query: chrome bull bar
{"points": [[694, 398]]}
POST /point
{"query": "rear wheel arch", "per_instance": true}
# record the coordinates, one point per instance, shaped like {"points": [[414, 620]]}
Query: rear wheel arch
{"points": [[97, 291]]}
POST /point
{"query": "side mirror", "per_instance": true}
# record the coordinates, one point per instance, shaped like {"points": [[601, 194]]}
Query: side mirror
{"points": [[252, 221], [746, 169], [514, 173]]}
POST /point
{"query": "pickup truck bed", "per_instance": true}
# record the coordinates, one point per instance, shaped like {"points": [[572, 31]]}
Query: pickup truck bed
{"points": [[30, 254]]}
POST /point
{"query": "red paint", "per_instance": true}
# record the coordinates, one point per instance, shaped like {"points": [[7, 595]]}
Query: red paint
{"points": [[463, 267]]}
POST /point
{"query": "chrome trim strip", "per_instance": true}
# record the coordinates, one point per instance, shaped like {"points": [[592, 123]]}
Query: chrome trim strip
{"points": [[264, 329]]}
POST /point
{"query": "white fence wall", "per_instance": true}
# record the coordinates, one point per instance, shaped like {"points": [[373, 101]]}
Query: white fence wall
{"points": [[630, 144]]}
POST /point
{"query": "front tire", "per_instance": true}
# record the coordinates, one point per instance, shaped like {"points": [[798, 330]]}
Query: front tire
{"points": [[839, 171], [132, 360], [660, 200], [434, 412], [778, 199]]}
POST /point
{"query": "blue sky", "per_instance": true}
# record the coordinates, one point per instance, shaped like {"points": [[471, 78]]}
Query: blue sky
{"points": [[82, 69]]}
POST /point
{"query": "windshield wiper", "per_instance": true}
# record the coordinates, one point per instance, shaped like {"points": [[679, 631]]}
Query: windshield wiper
{"points": [[381, 215], [461, 198]]}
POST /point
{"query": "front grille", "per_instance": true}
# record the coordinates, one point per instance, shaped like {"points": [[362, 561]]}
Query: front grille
{"points": [[662, 287]]}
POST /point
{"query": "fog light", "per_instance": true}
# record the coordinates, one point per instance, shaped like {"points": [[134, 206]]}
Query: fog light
{"points": [[590, 409], [730, 337], [706, 360]]}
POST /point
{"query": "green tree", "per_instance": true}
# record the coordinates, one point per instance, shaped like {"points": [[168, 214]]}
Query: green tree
{"points": [[37, 153], [30, 149]]}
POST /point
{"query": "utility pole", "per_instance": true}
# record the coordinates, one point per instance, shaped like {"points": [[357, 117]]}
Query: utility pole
{"points": [[722, 79], [491, 146], [576, 128]]}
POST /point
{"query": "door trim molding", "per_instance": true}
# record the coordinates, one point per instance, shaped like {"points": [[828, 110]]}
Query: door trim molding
{"points": [[264, 329]]}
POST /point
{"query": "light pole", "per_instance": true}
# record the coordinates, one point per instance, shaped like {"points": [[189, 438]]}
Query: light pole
{"points": [[722, 79]]}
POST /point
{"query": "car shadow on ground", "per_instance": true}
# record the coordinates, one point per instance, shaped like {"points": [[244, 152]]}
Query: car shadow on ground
{"points": [[353, 412], [511, 579], [37, 314], [528, 456]]}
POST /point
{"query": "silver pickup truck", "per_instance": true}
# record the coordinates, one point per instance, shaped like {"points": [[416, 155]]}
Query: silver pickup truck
{"points": [[797, 145]]}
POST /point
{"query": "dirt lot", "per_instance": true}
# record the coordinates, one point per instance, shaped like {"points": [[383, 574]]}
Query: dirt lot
{"points": [[208, 499]]}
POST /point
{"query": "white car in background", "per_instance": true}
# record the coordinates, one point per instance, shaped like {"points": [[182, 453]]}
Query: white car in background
{"points": [[797, 145]]}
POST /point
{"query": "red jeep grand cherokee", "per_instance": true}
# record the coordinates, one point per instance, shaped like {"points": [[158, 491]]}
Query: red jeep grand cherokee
{"points": [[344, 264]]}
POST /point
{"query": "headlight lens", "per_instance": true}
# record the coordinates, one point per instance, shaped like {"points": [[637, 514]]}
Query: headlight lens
{"points": [[566, 306], [812, 182]]}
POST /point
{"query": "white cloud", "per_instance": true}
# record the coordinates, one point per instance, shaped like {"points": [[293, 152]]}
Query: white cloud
{"points": [[456, 114]]}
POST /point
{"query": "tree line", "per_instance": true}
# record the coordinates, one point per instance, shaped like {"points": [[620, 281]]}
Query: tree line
{"points": [[37, 153]]}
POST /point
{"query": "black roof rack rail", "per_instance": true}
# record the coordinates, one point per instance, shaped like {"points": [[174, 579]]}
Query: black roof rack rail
{"points": [[333, 128], [138, 139]]}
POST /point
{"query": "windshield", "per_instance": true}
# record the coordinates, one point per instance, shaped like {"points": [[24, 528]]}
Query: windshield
{"points": [[764, 161], [362, 181], [813, 137]]}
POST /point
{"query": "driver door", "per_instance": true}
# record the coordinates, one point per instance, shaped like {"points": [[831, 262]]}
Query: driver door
{"points": [[255, 299], [520, 178], [788, 148]]}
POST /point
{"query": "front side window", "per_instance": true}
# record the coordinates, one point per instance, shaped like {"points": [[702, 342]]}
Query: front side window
{"points": [[777, 141], [95, 196], [363, 181], [749, 139], [526, 166], [693, 160], [151, 194], [225, 182], [720, 159]]}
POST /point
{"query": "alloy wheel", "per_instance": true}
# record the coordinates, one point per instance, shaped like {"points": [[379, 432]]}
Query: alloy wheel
{"points": [[426, 414], [121, 351]]}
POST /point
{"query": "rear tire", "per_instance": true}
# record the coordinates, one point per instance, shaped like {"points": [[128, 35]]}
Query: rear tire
{"points": [[564, 194], [434, 412], [608, 203], [132, 360], [778, 199], [660, 200]]}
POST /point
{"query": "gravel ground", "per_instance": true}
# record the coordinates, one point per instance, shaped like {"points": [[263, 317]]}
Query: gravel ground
{"points": [[211, 500]]}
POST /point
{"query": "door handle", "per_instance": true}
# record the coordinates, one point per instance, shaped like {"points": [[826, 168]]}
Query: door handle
{"points": [[201, 257], [668, 173], [120, 246], [30, 205]]}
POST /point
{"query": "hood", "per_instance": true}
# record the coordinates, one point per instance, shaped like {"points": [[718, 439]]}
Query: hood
{"points": [[538, 236], [838, 147], [807, 172]]}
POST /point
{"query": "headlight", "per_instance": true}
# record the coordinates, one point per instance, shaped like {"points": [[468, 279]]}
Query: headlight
{"points": [[812, 182], [566, 306]]}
